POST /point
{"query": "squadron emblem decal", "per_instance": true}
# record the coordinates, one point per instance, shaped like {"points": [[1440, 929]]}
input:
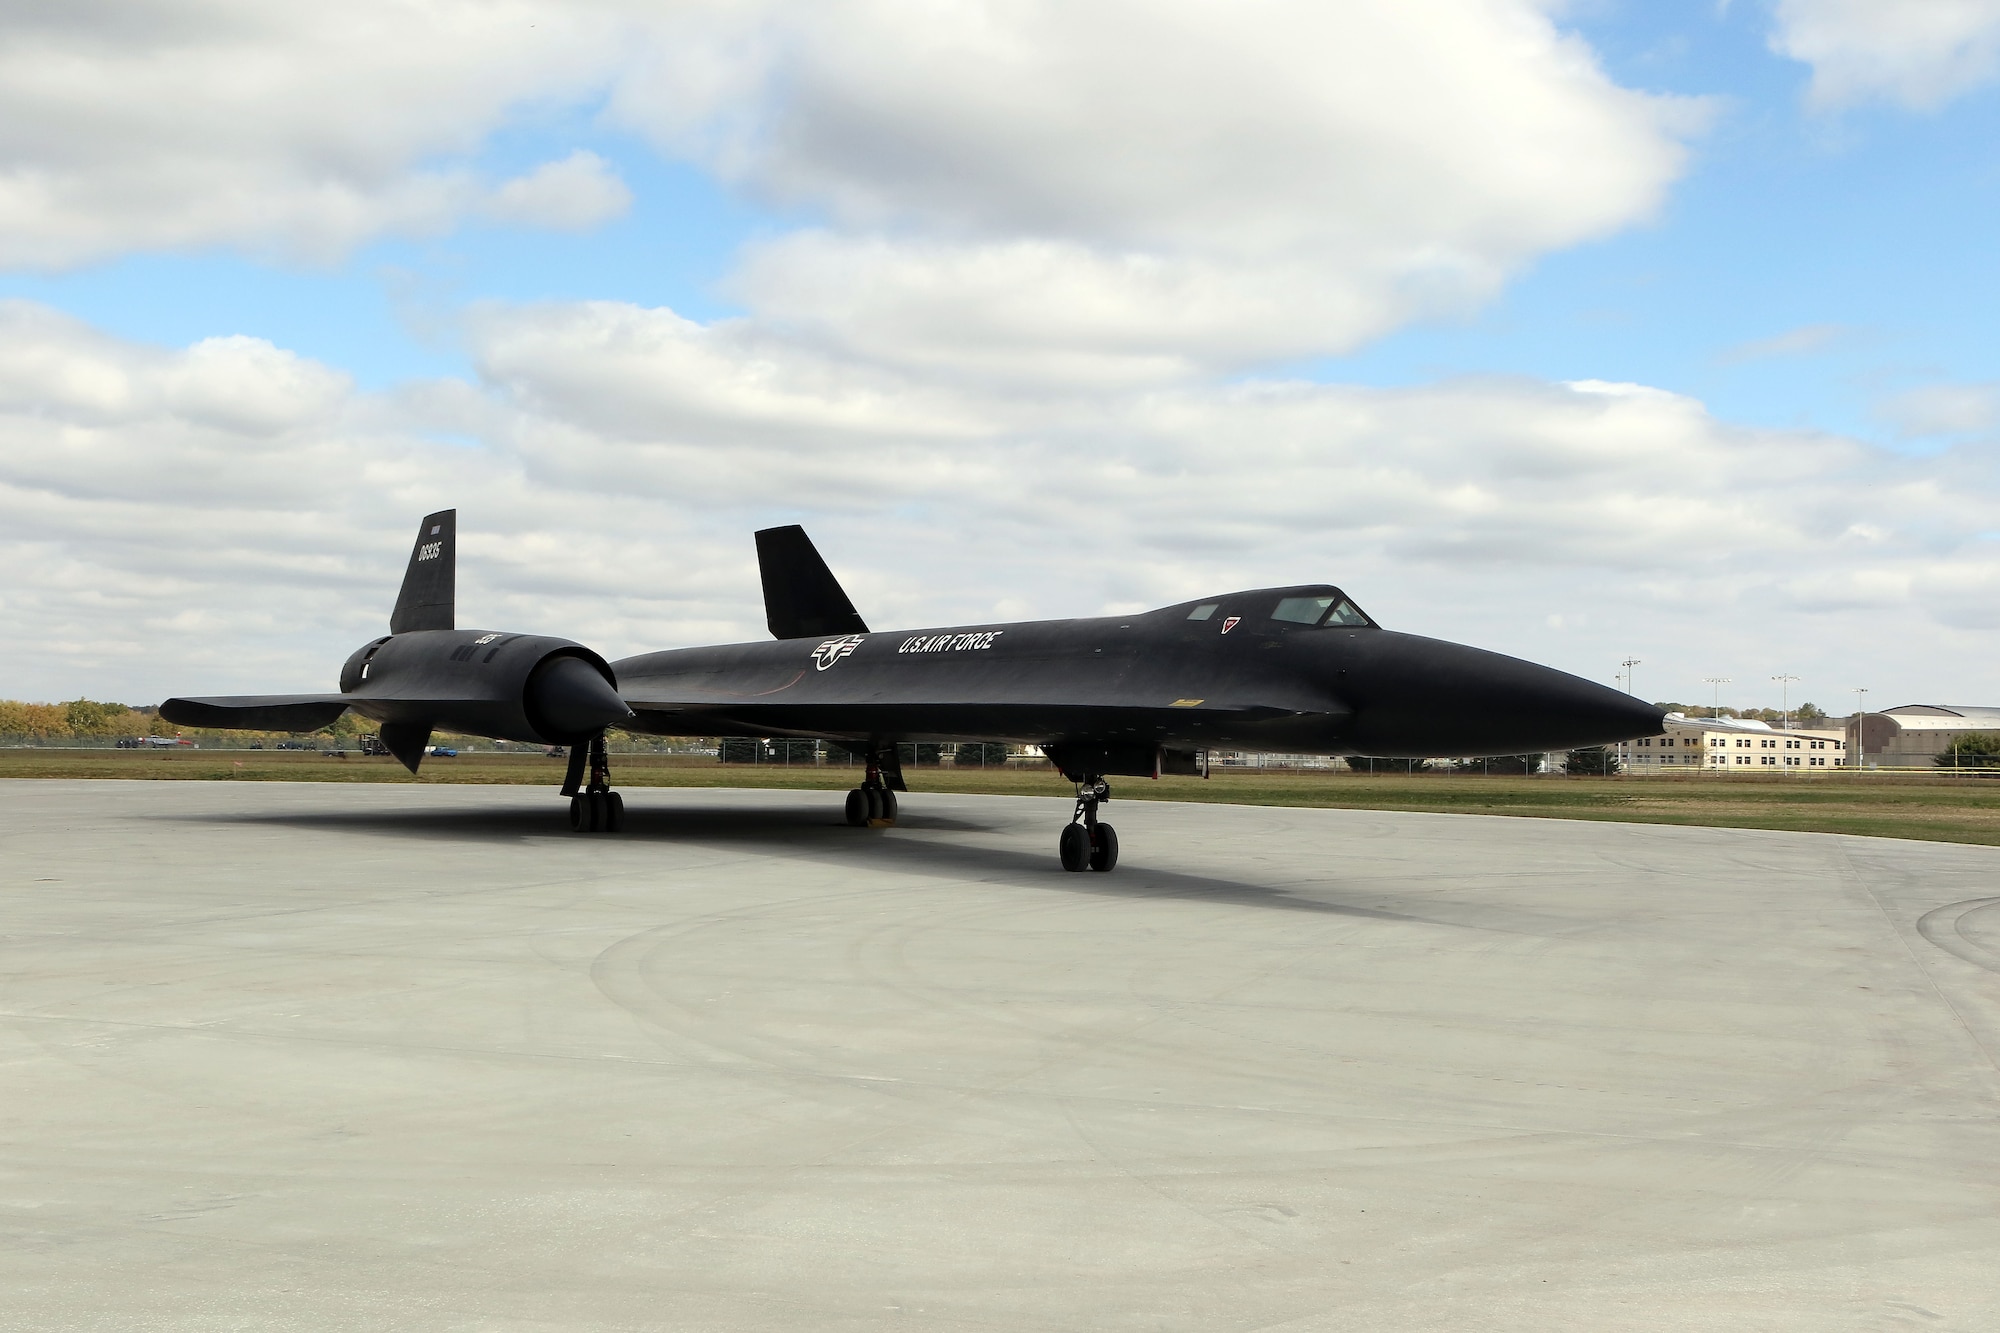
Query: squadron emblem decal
{"points": [[834, 649], [1230, 623]]}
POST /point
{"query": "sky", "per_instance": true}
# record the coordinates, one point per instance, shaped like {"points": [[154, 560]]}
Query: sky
{"points": [[1583, 331]]}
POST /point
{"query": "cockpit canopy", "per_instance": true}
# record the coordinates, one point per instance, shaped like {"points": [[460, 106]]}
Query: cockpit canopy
{"points": [[1321, 606], [1332, 609]]}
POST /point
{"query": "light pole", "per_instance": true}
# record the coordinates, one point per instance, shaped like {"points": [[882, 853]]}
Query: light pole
{"points": [[1860, 720], [1715, 702], [1785, 697], [1628, 664]]}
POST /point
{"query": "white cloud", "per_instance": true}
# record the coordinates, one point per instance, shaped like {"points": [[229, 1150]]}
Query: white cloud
{"points": [[1918, 53], [1802, 341], [1943, 409], [574, 194], [1114, 191], [52, 363], [1096, 190], [294, 130], [620, 458]]}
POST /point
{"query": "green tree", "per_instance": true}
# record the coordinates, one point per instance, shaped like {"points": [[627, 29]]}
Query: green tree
{"points": [[1592, 761], [978, 754], [1808, 715], [1975, 749], [32, 721], [1501, 765], [1365, 763], [86, 718]]}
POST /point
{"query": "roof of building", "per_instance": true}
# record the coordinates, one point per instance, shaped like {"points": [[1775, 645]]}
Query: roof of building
{"points": [[1719, 723], [1942, 717]]}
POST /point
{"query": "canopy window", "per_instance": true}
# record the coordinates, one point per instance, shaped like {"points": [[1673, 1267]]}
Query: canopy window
{"points": [[1333, 610], [1302, 610], [1204, 611]]}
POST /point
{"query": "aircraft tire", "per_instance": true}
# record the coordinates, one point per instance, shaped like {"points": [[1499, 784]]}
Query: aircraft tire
{"points": [[888, 804], [595, 802], [1074, 847], [614, 812], [857, 808], [873, 795], [579, 814], [1104, 848]]}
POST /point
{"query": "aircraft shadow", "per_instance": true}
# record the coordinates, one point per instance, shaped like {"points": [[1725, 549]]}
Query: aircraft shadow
{"points": [[808, 834]]}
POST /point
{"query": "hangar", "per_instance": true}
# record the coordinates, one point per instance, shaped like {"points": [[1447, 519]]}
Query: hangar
{"points": [[1913, 735]]}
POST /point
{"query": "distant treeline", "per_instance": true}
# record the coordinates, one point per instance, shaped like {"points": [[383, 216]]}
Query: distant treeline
{"points": [[1804, 716], [88, 720], [77, 718]]}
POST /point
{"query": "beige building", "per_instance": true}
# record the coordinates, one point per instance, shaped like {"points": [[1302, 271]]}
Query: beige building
{"points": [[1913, 735], [1737, 745]]}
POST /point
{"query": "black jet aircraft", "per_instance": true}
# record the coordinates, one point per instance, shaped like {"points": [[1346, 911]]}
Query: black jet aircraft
{"points": [[1301, 670]]}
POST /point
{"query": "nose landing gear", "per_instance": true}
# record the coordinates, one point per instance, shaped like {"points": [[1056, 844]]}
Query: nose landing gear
{"points": [[596, 808], [872, 804], [1085, 843]]}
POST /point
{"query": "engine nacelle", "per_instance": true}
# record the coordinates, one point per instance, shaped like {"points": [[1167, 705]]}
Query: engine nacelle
{"points": [[517, 687]]}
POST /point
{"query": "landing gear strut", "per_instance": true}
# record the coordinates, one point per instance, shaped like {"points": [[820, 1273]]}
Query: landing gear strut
{"points": [[596, 808], [1085, 843], [872, 804]]}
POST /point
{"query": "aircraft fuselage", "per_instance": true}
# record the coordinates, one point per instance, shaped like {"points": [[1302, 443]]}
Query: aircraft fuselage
{"points": [[1157, 681]]}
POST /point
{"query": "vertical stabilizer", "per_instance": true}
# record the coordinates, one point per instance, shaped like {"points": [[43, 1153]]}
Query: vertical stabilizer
{"points": [[801, 596], [430, 583]]}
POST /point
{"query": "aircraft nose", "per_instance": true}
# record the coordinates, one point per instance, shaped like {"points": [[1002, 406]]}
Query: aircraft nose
{"points": [[1582, 712], [1419, 698]]}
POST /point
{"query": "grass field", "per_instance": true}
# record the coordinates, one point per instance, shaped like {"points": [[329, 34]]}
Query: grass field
{"points": [[1902, 806]]}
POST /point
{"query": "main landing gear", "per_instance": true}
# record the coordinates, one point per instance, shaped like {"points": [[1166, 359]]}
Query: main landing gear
{"points": [[596, 808], [872, 804], [1085, 843]]}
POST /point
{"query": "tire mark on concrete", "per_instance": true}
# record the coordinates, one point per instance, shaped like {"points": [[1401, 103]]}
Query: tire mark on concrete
{"points": [[1946, 927]]}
